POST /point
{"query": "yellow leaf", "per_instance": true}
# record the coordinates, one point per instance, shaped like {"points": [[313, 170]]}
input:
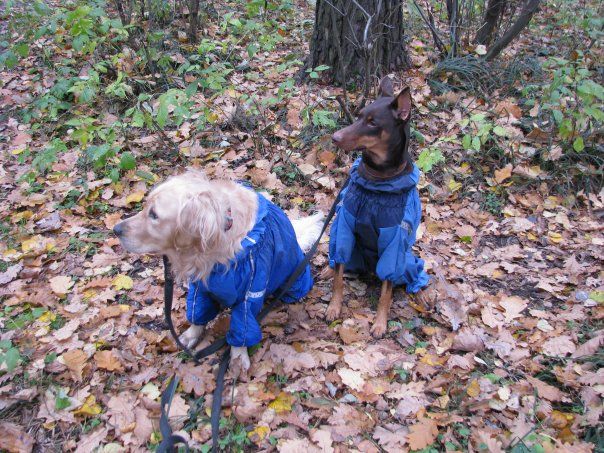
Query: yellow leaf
{"points": [[556, 238], [21, 215], [531, 236], [283, 403], [17, 151], [90, 407], [122, 281], [33, 243], [135, 197], [454, 186], [473, 389], [432, 359], [258, 433], [47, 316]]}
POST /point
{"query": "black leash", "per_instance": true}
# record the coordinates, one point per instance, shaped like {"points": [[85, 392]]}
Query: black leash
{"points": [[169, 439]]}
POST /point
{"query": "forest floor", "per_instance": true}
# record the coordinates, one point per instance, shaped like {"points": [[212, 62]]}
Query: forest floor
{"points": [[508, 221]]}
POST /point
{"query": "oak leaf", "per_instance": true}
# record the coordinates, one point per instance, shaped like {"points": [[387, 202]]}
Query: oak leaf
{"points": [[422, 434]]}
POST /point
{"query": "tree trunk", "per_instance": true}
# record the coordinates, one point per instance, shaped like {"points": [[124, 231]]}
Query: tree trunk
{"points": [[529, 9], [358, 39], [193, 20], [492, 14]]}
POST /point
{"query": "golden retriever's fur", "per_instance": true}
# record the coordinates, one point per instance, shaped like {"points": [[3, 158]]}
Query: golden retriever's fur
{"points": [[185, 218], [199, 223]]}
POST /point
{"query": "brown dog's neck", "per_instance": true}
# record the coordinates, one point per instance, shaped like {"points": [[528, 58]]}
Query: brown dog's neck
{"points": [[379, 175]]}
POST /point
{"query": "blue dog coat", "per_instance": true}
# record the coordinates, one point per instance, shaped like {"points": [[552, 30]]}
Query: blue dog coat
{"points": [[375, 229], [269, 256]]}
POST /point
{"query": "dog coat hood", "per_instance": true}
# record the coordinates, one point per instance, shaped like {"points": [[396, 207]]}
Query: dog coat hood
{"points": [[269, 256], [375, 228]]}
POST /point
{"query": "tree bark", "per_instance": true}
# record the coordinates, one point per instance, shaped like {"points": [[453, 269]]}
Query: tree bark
{"points": [[492, 15], [193, 20], [358, 39], [529, 9]]}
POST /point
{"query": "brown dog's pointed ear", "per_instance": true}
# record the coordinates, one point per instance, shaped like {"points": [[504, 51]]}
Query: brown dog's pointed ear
{"points": [[402, 104], [386, 89]]}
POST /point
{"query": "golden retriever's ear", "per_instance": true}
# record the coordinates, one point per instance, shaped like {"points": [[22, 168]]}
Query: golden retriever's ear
{"points": [[199, 222]]}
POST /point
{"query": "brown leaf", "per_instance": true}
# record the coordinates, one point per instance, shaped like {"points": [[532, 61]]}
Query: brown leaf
{"points": [[120, 413], [90, 441], [503, 174], [509, 108], [106, 360], [590, 347], [75, 360], [549, 392], [351, 378], [10, 274], [290, 358], [422, 434], [467, 340], [513, 307], [61, 284], [559, 346], [391, 437], [14, 438]]}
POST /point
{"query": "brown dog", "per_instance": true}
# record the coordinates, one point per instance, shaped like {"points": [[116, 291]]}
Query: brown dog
{"points": [[378, 218]]}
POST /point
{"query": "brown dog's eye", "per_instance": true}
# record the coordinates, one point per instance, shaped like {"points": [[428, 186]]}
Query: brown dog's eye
{"points": [[371, 123], [152, 214]]}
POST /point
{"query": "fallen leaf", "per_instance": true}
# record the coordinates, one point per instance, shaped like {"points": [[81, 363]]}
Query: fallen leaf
{"points": [[135, 197], [351, 378], [106, 360], [89, 408], [122, 281], [75, 360], [513, 307], [61, 285], [473, 389], [590, 347], [14, 438], [283, 403], [559, 346], [422, 434], [503, 174]]}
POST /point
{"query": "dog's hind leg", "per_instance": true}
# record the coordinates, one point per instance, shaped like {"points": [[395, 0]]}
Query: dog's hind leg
{"points": [[380, 324], [337, 297]]}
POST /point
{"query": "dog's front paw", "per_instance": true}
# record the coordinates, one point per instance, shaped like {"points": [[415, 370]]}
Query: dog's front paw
{"points": [[240, 359], [191, 336], [379, 328], [333, 311]]}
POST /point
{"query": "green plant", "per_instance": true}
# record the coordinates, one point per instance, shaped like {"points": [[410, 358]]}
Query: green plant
{"points": [[235, 438], [428, 158], [9, 356], [480, 132], [574, 100]]}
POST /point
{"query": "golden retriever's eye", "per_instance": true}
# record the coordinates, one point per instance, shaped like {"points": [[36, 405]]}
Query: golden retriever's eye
{"points": [[153, 214]]}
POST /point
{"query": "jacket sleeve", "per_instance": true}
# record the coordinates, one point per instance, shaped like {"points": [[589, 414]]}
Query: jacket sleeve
{"points": [[244, 329], [204, 300], [341, 237], [397, 262], [201, 308]]}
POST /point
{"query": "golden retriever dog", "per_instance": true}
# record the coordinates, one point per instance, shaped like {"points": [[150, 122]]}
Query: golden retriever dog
{"points": [[230, 244]]}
